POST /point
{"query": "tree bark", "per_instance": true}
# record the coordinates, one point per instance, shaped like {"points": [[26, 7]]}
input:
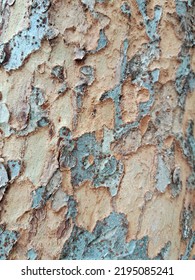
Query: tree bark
{"points": [[97, 129]]}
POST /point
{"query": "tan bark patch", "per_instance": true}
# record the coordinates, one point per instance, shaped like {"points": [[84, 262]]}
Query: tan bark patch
{"points": [[14, 206], [93, 205], [36, 154], [137, 181]]}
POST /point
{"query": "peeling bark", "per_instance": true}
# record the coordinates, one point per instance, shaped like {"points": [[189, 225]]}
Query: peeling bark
{"points": [[97, 138]]}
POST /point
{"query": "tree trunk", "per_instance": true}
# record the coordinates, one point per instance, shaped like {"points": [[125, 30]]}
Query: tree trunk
{"points": [[97, 129]]}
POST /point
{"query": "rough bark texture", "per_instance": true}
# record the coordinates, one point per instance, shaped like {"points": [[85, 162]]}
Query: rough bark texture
{"points": [[97, 129]]}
